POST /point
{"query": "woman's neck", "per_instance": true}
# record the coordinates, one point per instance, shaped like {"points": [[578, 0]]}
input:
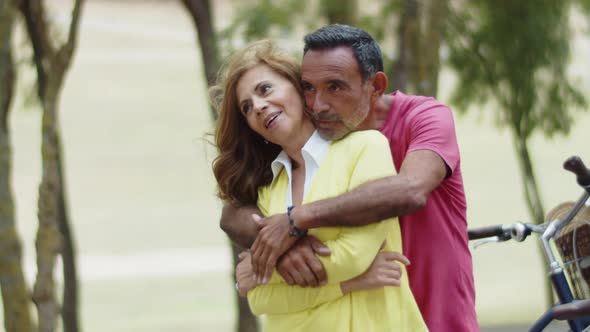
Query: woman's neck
{"points": [[294, 146]]}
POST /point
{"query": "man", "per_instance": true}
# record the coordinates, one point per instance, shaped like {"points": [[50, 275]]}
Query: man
{"points": [[344, 84]]}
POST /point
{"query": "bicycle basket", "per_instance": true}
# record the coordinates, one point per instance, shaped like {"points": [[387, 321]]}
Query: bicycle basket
{"points": [[573, 243]]}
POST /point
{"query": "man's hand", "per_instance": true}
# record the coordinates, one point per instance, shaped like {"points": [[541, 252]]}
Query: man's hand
{"points": [[271, 243], [300, 266], [237, 223], [244, 275]]}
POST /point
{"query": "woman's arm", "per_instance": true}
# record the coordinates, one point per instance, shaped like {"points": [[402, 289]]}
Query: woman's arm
{"points": [[277, 297], [283, 299], [367, 157], [352, 253]]}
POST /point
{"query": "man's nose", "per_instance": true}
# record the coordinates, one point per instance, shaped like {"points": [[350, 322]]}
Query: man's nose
{"points": [[318, 104]]}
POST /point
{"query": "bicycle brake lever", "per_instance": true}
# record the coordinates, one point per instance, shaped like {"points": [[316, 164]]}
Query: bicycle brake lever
{"points": [[481, 242]]}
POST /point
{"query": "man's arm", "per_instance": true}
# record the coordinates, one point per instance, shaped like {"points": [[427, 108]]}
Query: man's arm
{"points": [[239, 225], [300, 265], [421, 172], [279, 298]]}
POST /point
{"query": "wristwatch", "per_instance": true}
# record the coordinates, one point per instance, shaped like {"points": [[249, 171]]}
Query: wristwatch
{"points": [[294, 231]]}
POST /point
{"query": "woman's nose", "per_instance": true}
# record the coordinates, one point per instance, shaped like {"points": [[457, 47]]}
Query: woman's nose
{"points": [[259, 105]]}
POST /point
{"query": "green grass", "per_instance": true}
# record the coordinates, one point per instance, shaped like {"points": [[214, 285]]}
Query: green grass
{"points": [[133, 114]]}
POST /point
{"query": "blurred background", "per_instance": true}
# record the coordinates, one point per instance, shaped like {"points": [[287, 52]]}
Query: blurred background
{"points": [[104, 152]]}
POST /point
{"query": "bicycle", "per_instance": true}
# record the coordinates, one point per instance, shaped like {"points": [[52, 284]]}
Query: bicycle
{"points": [[576, 312]]}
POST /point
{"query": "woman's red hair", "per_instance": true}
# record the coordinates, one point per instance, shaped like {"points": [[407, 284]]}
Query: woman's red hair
{"points": [[243, 161]]}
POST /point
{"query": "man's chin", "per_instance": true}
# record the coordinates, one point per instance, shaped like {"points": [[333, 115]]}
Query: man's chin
{"points": [[331, 134]]}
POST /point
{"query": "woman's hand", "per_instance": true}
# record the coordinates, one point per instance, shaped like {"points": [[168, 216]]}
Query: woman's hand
{"points": [[384, 271], [245, 278]]}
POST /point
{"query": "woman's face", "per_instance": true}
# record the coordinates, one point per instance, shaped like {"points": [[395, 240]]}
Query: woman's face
{"points": [[271, 105]]}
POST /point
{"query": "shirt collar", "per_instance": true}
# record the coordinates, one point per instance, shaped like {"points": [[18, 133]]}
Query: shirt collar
{"points": [[313, 151]]}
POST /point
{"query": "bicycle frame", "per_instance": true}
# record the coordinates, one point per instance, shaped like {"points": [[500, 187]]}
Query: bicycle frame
{"points": [[556, 273], [520, 231]]}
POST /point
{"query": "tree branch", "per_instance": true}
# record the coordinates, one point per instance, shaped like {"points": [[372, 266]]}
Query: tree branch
{"points": [[34, 14], [67, 50]]}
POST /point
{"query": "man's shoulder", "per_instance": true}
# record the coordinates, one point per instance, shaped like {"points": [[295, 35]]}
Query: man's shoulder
{"points": [[412, 104], [357, 142], [363, 137]]}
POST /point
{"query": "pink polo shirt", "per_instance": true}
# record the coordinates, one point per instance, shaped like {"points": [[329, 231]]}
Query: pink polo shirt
{"points": [[435, 237]]}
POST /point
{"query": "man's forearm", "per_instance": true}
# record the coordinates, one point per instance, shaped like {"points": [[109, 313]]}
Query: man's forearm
{"points": [[238, 224], [373, 201]]}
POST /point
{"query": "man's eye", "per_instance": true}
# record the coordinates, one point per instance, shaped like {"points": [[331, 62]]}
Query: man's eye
{"points": [[334, 88], [307, 87]]}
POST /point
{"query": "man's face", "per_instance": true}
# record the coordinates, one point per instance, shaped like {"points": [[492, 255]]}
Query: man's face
{"points": [[337, 99]]}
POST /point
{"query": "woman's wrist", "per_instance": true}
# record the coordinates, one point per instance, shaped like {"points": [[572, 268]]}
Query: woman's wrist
{"points": [[349, 286]]}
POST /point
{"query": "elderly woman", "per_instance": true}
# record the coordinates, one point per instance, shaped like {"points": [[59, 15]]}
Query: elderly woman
{"points": [[271, 155]]}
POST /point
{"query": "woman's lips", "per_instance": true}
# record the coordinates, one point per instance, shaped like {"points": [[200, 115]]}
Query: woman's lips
{"points": [[269, 120]]}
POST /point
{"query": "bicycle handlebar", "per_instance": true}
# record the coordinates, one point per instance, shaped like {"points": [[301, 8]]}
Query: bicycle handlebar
{"points": [[517, 232], [483, 232], [575, 165]]}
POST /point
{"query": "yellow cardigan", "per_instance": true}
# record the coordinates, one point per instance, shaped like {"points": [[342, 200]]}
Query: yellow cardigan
{"points": [[349, 162]]}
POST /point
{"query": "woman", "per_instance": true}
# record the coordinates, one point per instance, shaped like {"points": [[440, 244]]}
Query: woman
{"points": [[270, 155]]}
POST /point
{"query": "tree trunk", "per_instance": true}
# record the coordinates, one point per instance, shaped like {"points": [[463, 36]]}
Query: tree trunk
{"points": [[531, 189], [53, 235], [339, 11], [15, 297], [246, 320], [200, 12], [434, 30], [401, 73], [70, 291], [420, 32], [533, 198], [49, 239], [201, 15]]}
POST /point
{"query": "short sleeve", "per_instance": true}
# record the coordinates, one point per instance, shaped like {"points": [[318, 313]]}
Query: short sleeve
{"points": [[433, 128]]}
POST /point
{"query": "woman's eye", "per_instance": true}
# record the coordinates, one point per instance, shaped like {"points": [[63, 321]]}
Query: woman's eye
{"points": [[265, 88], [245, 108]]}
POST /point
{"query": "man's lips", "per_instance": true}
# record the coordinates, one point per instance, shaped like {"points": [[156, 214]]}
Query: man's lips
{"points": [[325, 123], [268, 121]]}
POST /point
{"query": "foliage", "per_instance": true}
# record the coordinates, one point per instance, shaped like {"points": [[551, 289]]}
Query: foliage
{"points": [[261, 19], [381, 25], [268, 18], [409, 53], [515, 53], [585, 5]]}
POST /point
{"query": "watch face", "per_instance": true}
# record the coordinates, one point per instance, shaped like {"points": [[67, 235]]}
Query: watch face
{"points": [[296, 231]]}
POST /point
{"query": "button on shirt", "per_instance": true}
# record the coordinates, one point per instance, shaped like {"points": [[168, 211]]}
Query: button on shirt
{"points": [[313, 152]]}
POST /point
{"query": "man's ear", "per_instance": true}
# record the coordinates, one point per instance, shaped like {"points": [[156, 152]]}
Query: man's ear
{"points": [[379, 84]]}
